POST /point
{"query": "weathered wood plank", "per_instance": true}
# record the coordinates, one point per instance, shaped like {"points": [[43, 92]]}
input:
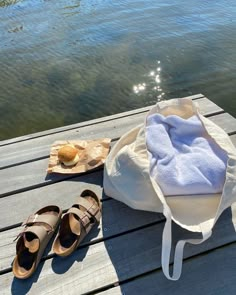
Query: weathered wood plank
{"points": [[39, 147], [82, 124], [224, 121], [207, 107], [117, 259], [31, 175], [62, 194], [117, 218], [212, 274]]}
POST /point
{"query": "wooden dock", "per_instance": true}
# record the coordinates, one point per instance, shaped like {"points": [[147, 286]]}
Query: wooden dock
{"points": [[122, 255]]}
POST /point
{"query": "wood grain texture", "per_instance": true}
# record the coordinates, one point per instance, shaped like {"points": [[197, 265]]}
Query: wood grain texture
{"points": [[19, 206], [226, 122], [82, 124], [40, 147], [117, 218], [37, 148], [31, 175], [112, 261], [211, 274]]}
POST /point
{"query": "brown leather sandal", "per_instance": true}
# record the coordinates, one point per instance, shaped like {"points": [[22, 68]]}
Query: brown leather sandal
{"points": [[32, 241], [77, 222]]}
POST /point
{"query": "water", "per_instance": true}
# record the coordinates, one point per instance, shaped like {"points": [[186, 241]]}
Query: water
{"points": [[67, 61]]}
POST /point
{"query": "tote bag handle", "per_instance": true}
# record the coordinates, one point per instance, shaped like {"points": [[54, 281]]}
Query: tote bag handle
{"points": [[178, 255]]}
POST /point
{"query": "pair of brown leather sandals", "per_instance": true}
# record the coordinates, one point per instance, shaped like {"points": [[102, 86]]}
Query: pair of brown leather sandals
{"points": [[40, 227]]}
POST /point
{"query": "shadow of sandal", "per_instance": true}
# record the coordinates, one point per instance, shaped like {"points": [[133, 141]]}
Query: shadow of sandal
{"points": [[61, 265]]}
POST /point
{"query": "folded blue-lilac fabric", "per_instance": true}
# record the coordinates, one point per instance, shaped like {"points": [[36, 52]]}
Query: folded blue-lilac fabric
{"points": [[183, 158]]}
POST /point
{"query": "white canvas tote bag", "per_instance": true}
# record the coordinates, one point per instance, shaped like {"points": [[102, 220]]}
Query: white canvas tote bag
{"points": [[128, 178]]}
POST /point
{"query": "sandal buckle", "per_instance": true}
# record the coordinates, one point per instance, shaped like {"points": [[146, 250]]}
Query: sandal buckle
{"points": [[86, 224]]}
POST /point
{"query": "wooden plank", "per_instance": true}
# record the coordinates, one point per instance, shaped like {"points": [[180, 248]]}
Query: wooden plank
{"points": [[79, 125], [83, 124], [31, 175], [207, 107], [117, 218], [38, 148], [114, 260], [213, 273], [224, 121], [62, 194]]}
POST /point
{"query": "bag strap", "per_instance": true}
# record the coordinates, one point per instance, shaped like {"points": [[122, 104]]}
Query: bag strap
{"points": [[178, 255]]}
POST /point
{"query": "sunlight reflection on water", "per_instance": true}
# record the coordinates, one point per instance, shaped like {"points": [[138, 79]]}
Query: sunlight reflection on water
{"points": [[153, 85]]}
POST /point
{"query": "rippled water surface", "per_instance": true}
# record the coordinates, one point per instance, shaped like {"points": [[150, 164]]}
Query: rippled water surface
{"points": [[68, 61]]}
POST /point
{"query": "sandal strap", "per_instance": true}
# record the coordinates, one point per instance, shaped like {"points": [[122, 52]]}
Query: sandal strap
{"points": [[83, 216], [39, 231], [92, 208], [49, 219], [83, 202]]}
